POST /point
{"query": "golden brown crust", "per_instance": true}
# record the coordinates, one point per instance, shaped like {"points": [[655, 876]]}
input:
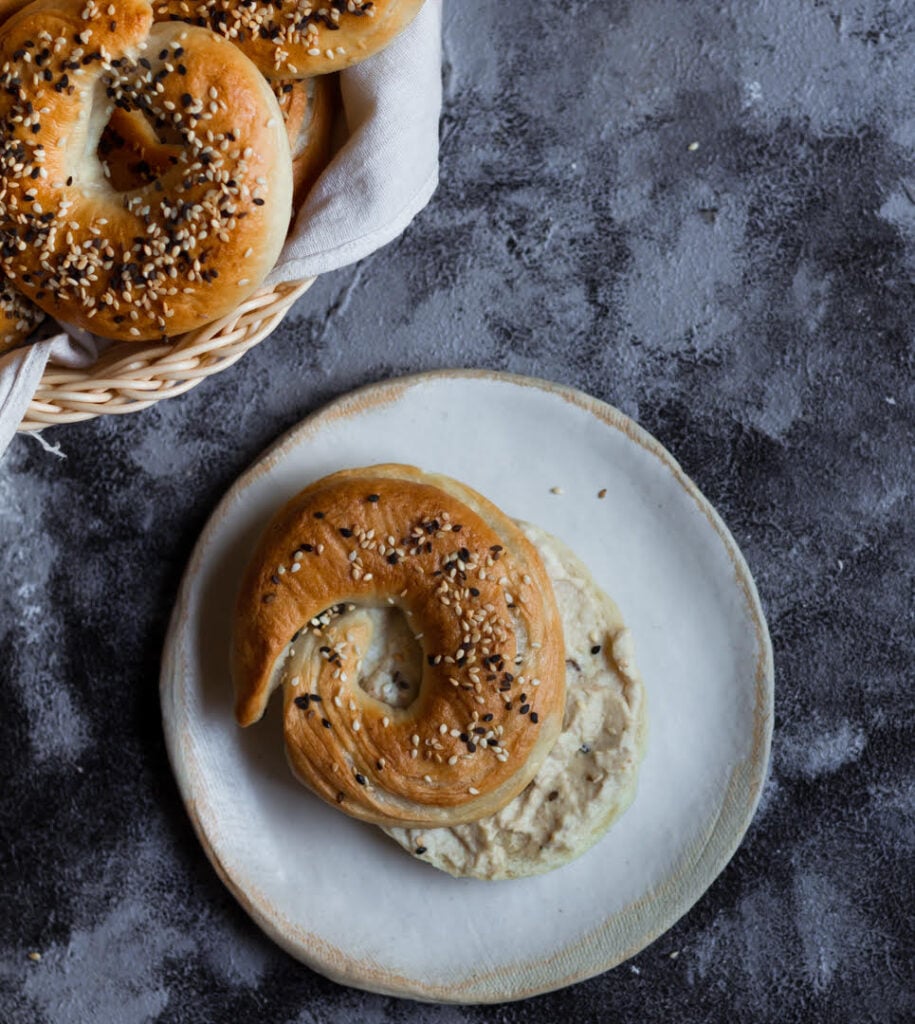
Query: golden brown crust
{"points": [[310, 106], [18, 317], [491, 699], [289, 39], [10, 7], [162, 259]]}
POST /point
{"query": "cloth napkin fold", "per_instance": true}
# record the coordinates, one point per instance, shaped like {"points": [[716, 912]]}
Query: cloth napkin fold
{"points": [[381, 177]]}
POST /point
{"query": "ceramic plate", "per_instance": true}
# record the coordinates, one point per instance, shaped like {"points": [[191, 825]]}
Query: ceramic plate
{"points": [[335, 892]]}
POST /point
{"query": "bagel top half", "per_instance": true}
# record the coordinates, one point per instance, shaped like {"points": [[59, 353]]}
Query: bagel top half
{"points": [[480, 607]]}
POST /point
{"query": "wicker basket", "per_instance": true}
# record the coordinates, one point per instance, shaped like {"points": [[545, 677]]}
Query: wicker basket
{"points": [[129, 376]]}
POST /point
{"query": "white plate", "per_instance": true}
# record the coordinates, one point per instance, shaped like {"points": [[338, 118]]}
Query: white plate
{"points": [[337, 893]]}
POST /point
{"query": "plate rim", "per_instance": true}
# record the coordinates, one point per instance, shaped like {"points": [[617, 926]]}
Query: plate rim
{"points": [[743, 791]]}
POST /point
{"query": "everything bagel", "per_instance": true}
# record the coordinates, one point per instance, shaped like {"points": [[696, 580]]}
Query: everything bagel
{"points": [[298, 38], [476, 599], [168, 256]]}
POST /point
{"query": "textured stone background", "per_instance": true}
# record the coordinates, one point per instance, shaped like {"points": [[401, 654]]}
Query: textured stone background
{"points": [[749, 301]]}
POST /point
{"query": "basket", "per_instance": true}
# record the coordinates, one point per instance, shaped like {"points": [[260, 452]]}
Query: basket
{"points": [[129, 377]]}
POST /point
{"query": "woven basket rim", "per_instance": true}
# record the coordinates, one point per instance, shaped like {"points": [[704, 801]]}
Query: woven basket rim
{"points": [[131, 376]]}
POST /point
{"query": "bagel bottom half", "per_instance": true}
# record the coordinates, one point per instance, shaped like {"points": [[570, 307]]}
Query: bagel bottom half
{"points": [[590, 776]]}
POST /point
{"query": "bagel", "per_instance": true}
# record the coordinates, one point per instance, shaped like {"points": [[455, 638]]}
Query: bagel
{"points": [[18, 317], [168, 256], [133, 153], [298, 38], [590, 776], [310, 107], [487, 697]]}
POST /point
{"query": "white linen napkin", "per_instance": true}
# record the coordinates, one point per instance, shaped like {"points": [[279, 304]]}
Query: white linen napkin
{"points": [[382, 176]]}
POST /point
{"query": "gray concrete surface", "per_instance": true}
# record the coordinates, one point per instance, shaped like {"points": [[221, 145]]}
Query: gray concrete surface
{"points": [[702, 212]]}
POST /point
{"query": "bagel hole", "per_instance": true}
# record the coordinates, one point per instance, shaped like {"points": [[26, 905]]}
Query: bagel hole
{"points": [[391, 658], [134, 159]]}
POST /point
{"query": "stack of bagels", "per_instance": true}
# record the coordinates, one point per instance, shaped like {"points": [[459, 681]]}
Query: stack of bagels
{"points": [[152, 153]]}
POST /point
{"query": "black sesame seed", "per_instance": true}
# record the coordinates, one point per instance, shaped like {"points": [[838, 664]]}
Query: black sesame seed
{"points": [[464, 737], [553, 794], [474, 592], [344, 532], [393, 558], [319, 515], [301, 702], [535, 718], [373, 498], [595, 649], [585, 748], [379, 766], [479, 730], [472, 747], [360, 779], [523, 710], [316, 696], [487, 718], [274, 579], [420, 850], [325, 723]]}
